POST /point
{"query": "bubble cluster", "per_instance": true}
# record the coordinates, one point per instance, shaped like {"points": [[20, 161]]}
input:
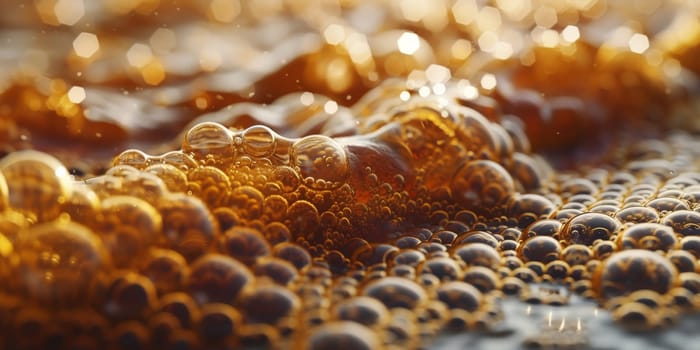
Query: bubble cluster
{"points": [[350, 176]]}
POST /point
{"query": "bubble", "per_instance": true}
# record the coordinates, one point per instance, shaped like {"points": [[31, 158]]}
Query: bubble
{"points": [[690, 281], [209, 138], [373, 254], [650, 236], [218, 322], [129, 296], [127, 227], [279, 271], [408, 257], [683, 222], [132, 157], [58, 261], [483, 279], [276, 232], [529, 208], [244, 244], [476, 236], [459, 295], [477, 254], [548, 227], [341, 335], [177, 159], [258, 336], [667, 205], [303, 219], [83, 205], [287, 178], [482, 185], [396, 292], [682, 260], [182, 306], [637, 214], [513, 286], [188, 227], [557, 269], [162, 326], [444, 268], [539, 248], [274, 208], [37, 184], [247, 202], [218, 278], [632, 270], [185, 339], [29, 327], [293, 253], [635, 316], [166, 269], [137, 183], [210, 184], [259, 141], [268, 303], [321, 159], [588, 227], [443, 236], [691, 244], [173, 178]]}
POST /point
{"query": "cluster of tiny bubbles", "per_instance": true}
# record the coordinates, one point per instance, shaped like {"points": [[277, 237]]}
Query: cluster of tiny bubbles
{"points": [[245, 238]]}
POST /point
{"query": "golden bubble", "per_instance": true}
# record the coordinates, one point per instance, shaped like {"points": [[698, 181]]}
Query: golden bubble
{"points": [[128, 226], [631, 270], [320, 158], [188, 226], [37, 184], [59, 260]]}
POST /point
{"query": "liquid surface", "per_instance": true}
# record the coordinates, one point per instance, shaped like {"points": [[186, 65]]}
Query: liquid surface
{"points": [[349, 174]]}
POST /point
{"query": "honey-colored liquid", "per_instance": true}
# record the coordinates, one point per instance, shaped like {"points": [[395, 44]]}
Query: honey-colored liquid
{"points": [[341, 174]]}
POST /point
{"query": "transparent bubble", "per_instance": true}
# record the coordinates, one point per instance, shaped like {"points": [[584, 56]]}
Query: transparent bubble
{"points": [[174, 178], [133, 157], [482, 186], [177, 159], [216, 278], [459, 295], [58, 260], [588, 227], [37, 184], [259, 141], [364, 310], [631, 270], [129, 225], [83, 205], [396, 292], [349, 335], [208, 138], [188, 226], [210, 184], [320, 158], [650, 236], [269, 303]]}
